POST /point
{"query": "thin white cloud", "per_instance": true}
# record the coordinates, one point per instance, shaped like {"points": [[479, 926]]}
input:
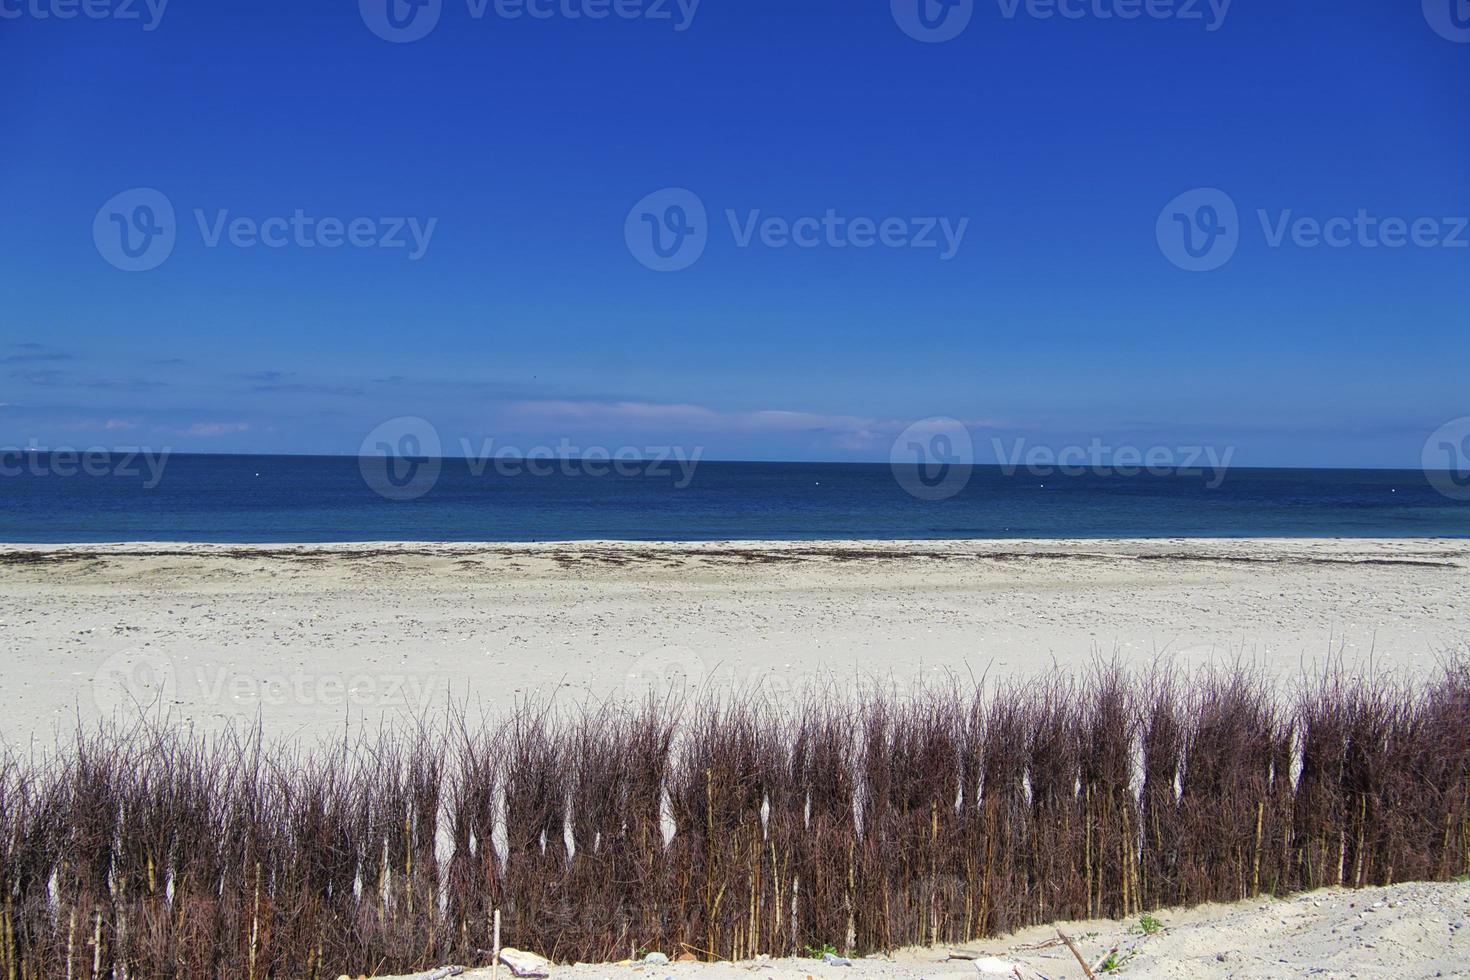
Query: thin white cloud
{"points": [[217, 428], [684, 416], [842, 431]]}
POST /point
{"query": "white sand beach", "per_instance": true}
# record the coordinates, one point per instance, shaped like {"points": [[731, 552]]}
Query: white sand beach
{"points": [[311, 637]]}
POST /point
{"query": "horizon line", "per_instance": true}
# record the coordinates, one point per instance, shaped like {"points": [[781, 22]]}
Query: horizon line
{"points": [[701, 461]]}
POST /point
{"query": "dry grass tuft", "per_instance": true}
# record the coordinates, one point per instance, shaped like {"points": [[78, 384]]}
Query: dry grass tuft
{"points": [[727, 827]]}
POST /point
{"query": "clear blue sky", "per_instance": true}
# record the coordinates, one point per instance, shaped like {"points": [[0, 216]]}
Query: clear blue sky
{"points": [[528, 320]]}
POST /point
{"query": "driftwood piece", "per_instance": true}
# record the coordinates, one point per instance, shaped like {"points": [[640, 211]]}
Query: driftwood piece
{"points": [[1077, 953]]}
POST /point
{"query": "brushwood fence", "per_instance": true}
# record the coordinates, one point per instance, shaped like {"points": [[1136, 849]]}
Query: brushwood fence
{"points": [[725, 826]]}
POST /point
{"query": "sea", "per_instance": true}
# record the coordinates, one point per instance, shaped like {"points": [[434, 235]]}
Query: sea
{"points": [[50, 498]]}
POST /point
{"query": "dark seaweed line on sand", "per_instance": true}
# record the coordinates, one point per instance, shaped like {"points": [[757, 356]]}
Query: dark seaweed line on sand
{"points": [[569, 556]]}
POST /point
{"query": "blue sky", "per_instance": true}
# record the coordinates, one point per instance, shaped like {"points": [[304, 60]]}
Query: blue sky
{"points": [[1058, 141]]}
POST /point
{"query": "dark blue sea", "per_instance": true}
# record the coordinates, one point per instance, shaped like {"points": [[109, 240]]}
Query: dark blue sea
{"points": [[334, 498]]}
